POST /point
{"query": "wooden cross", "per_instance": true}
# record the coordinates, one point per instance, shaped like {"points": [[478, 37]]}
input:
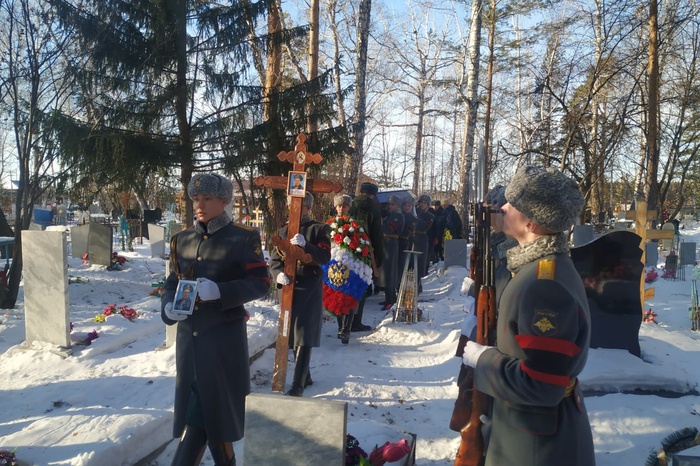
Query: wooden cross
{"points": [[640, 216], [299, 157]]}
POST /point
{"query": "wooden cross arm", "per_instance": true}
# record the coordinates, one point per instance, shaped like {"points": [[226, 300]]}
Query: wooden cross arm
{"points": [[660, 234], [313, 185]]}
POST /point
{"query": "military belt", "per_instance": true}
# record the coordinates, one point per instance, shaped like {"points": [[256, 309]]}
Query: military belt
{"points": [[391, 236], [419, 232]]}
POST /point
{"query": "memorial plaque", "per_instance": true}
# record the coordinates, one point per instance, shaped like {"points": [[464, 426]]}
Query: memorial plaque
{"points": [[668, 243], [611, 270]]}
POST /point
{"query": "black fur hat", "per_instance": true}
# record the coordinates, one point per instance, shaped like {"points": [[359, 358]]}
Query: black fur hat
{"points": [[546, 196], [369, 188]]}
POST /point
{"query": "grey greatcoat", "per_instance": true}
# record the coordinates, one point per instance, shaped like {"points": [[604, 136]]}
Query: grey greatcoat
{"points": [[307, 305], [212, 344], [539, 417]]}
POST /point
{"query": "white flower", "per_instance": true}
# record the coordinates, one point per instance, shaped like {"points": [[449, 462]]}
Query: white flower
{"points": [[351, 230], [346, 240], [334, 225]]}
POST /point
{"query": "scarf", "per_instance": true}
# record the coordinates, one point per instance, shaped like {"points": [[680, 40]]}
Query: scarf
{"points": [[543, 246]]}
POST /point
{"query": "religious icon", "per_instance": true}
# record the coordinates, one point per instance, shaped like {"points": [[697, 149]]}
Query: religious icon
{"points": [[297, 184], [300, 157], [185, 296]]}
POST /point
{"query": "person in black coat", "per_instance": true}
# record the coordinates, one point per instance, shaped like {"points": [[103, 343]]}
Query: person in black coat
{"points": [[366, 210], [212, 365], [454, 221], [307, 305]]}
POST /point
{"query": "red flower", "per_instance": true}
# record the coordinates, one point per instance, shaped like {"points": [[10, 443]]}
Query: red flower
{"points": [[338, 238], [365, 251]]}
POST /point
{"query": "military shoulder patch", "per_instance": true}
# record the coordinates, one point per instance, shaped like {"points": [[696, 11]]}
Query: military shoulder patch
{"points": [[546, 269], [545, 322]]}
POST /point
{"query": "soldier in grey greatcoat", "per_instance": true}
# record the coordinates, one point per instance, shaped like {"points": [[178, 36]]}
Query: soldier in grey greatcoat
{"points": [[420, 236], [409, 228], [213, 373], [392, 226], [307, 305], [539, 417]]}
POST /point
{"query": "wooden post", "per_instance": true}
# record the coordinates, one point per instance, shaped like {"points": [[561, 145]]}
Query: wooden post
{"points": [[299, 157]]}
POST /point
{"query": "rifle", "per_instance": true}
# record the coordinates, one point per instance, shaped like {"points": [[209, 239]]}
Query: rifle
{"points": [[471, 448]]}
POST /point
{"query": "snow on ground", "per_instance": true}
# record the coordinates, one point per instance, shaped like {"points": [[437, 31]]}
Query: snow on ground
{"points": [[110, 403]]}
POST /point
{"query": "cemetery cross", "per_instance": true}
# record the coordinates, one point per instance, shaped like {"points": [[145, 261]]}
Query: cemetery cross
{"points": [[299, 157], [640, 216]]}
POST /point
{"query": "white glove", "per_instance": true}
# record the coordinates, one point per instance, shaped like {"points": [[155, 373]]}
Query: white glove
{"points": [[208, 290], [468, 287], [299, 240], [283, 279], [472, 352], [468, 325], [168, 309]]}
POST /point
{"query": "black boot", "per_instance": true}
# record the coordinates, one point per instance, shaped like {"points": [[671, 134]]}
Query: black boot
{"points": [[301, 371], [223, 454], [192, 444]]}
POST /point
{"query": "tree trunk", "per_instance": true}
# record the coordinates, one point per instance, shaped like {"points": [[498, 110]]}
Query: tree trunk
{"points": [[312, 122], [355, 160], [472, 107], [489, 89], [185, 132], [651, 185]]}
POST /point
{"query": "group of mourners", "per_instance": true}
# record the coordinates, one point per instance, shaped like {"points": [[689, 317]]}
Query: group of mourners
{"points": [[537, 415]]}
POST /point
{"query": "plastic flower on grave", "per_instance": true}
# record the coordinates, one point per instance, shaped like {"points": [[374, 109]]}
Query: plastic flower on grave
{"points": [[99, 319], [651, 276], [389, 452], [92, 336], [128, 313], [111, 309], [349, 272], [8, 458], [354, 454]]}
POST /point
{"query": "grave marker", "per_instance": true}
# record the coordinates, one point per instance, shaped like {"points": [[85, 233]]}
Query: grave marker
{"points": [[455, 253], [583, 234], [290, 431], [652, 254], [156, 238], [610, 268], [45, 274], [688, 253], [94, 239], [299, 157]]}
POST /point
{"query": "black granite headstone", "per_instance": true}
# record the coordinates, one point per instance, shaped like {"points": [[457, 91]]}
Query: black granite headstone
{"points": [[611, 269]]}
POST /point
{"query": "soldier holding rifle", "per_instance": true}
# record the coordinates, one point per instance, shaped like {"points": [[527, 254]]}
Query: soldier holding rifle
{"points": [[539, 417]]}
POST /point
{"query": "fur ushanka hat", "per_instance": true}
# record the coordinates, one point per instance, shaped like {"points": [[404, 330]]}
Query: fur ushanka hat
{"points": [[546, 196], [212, 184], [497, 196], [342, 199]]}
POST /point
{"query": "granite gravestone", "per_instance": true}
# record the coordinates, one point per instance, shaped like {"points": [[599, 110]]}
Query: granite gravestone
{"points": [[688, 253], [455, 253], [156, 238], [291, 431], [94, 239], [611, 270], [583, 234], [100, 244], [651, 259], [45, 274], [79, 240]]}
